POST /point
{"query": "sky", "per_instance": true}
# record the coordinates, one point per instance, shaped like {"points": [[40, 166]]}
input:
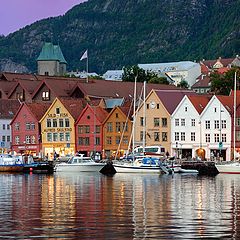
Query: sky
{"points": [[16, 14]]}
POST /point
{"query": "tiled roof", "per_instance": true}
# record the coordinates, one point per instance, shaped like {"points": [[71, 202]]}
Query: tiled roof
{"points": [[7, 87], [38, 109], [199, 102], [16, 76], [101, 113], [203, 81], [74, 106], [8, 108], [172, 98]]}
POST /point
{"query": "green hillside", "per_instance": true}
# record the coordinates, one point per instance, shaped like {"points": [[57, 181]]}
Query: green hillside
{"points": [[128, 32]]}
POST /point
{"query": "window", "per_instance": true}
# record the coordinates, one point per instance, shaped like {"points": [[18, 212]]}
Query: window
{"points": [[61, 137], [61, 122], [33, 139], [186, 109], [224, 137], [32, 126], [141, 121], [109, 140], [216, 137], [67, 122], [156, 122], [116, 115], [147, 105], [57, 110], [3, 138], [4, 127], [207, 124], [117, 139], [216, 124], [238, 122], [157, 105], [97, 129], [176, 136], [125, 127], [156, 136], [182, 122], [8, 126], [97, 141], [193, 122], [49, 123], [80, 129], [17, 126], [17, 140], [125, 140], [8, 138], [215, 109], [176, 122], [87, 129], [27, 126], [87, 142], [141, 135], [118, 127], [67, 136], [54, 122], [49, 137], [55, 137], [27, 139], [224, 124], [80, 141], [193, 138], [109, 127], [164, 122], [238, 135], [207, 137], [45, 96], [164, 136], [182, 136]]}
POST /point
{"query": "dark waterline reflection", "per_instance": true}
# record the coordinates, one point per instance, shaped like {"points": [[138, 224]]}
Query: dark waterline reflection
{"points": [[125, 206]]}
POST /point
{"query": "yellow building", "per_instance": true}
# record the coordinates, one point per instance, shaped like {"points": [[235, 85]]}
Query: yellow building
{"points": [[57, 127]]}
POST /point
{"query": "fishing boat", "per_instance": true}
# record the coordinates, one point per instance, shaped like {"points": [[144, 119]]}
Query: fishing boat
{"points": [[9, 163], [79, 164]]}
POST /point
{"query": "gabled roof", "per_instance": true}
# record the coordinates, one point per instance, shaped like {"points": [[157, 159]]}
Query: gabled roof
{"points": [[8, 108], [203, 82], [7, 76], [7, 87], [51, 52], [171, 98], [74, 106], [225, 62], [38, 109], [200, 102]]}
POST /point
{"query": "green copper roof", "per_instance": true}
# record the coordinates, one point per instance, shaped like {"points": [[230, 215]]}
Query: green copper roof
{"points": [[51, 52]]}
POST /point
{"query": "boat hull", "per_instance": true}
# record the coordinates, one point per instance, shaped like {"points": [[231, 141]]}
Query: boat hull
{"points": [[11, 168], [136, 169], [233, 168], [64, 167]]}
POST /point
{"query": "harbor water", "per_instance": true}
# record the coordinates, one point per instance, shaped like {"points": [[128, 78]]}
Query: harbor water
{"points": [[123, 206]]}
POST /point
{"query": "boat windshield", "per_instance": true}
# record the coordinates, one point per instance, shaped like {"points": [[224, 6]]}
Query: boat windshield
{"points": [[74, 160]]}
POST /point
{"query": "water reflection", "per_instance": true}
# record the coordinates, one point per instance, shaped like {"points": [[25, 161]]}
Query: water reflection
{"points": [[94, 206]]}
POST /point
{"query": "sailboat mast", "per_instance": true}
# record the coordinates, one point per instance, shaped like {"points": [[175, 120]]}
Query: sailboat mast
{"points": [[234, 116], [134, 113], [144, 116]]}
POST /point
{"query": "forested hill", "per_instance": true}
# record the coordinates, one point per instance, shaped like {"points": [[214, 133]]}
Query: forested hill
{"points": [[127, 32]]}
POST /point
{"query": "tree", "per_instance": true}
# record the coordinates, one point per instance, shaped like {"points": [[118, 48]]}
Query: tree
{"points": [[129, 74], [222, 84], [183, 84]]}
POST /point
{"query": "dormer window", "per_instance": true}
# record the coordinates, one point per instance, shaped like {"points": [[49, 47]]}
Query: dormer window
{"points": [[57, 110], [45, 96]]}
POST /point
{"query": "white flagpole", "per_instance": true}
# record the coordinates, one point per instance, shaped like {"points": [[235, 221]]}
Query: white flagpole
{"points": [[234, 116]]}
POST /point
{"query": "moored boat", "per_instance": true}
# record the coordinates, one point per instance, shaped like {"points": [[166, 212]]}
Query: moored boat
{"points": [[10, 164], [231, 168], [79, 164]]}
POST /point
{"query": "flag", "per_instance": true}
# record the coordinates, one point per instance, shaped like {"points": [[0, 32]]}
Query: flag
{"points": [[85, 55]]}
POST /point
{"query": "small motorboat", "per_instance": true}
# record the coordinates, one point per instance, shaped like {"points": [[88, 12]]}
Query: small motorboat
{"points": [[79, 164], [9, 163]]}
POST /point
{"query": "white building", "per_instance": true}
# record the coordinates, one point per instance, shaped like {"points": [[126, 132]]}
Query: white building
{"points": [[8, 108], [177, 71], [115, 75], [186, 128], [216, 126]]}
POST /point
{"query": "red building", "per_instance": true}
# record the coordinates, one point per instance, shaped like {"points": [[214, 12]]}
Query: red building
{"points": [[89, 130], [26, 131]]}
